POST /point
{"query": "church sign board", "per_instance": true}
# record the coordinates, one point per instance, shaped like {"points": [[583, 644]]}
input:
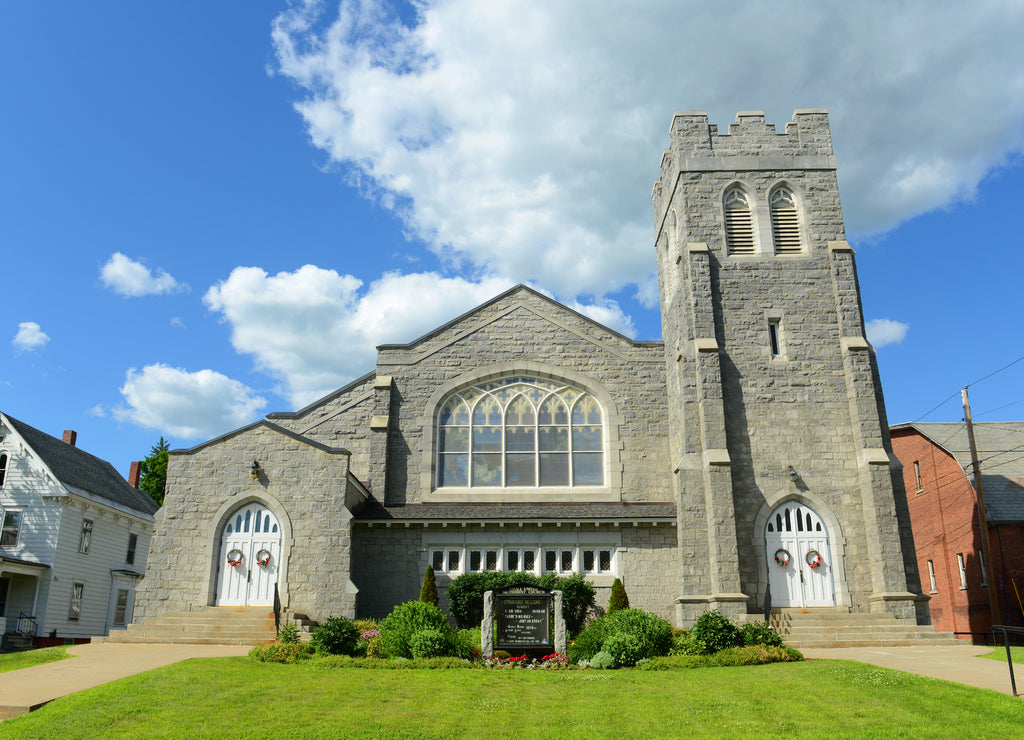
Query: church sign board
{"points": [[524, 617]]}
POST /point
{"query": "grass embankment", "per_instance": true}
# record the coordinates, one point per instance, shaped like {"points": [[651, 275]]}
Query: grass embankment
{"points": [[237, 698], [28, 658], [999, 653]]}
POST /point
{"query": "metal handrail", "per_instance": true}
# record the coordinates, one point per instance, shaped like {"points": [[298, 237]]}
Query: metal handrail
{"points": [[1009, 658], [27, 625]]}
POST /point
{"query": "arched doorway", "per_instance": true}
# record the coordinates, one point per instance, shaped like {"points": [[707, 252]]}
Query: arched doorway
{"points": [[250, 551], [799, 558]]}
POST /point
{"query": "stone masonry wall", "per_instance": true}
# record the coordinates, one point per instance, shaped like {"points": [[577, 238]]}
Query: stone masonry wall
{"points": [[302, 484], [525, 328]]}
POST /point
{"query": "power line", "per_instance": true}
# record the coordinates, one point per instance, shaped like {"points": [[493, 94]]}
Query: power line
{"points": [[947, 400]]}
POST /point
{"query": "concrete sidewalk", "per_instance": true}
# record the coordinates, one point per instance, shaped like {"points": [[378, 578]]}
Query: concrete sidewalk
{"points": [[94, 664], [957, 663]]}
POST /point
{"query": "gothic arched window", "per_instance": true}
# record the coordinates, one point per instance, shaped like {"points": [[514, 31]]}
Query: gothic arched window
{"points": [[785, 221], [520, 432], [739, 222]]}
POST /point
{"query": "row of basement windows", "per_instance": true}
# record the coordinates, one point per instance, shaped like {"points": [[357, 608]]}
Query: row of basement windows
{"points": [[962, 569], [741, 227], [456, 560]]}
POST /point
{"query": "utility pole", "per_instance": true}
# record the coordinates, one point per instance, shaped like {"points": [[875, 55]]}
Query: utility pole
{"points": [[993, 597]]}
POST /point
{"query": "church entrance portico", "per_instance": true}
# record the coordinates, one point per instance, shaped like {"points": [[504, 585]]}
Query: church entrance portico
{"points": [[798, 557], [249, 557]]}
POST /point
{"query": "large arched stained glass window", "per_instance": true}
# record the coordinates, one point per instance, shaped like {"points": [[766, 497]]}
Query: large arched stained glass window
{"points": [[520, 432]]}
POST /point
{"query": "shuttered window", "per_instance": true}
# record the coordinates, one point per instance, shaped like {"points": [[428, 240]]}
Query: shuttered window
{"points": [[739, 223], [785, 222]]}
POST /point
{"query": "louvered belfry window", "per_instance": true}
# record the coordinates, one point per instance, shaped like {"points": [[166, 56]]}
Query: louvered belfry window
{"points": [[739, 223], [785, 222]]}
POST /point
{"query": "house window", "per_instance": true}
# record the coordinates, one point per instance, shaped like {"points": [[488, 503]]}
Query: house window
{"points": [[739, 222], [133, 541], [83, 544], [931, 577], [785, 222], [774, 339], [5, 584], [984, 568], [121, 607], [917, 475], [11, 527], [75, 610], [520, 432], [3, 469], [963, 570]]}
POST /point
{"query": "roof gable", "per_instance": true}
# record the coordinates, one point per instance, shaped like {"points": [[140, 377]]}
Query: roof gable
{"points": [[78, 469]]}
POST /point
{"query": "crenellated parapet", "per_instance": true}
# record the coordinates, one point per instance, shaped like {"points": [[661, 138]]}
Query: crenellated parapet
{"points": [[750, 144]]}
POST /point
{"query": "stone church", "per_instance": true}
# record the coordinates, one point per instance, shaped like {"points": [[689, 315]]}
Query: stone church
{"points": [[741, 461]]}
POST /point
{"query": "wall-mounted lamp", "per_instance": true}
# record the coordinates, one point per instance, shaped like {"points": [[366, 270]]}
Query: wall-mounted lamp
{"points": [[255, 470], [792, 474]]}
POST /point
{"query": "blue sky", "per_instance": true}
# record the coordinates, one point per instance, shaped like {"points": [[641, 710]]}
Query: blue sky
{"points": [[212, 211]]}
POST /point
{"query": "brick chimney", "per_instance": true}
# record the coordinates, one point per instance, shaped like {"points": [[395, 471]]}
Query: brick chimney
{"points": [[70, 435], [133, 474]]}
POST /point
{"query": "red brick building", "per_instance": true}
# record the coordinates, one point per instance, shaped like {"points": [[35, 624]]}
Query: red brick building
{"points": [[944, 517]]}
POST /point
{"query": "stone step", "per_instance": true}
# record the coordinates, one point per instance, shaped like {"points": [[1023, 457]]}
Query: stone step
{"points": [[895, 642], [158, 639], [835, 628], [207, 626]]}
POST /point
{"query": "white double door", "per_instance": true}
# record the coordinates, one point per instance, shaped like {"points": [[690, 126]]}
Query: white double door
{"points": [[250, 535], [796, 533]]}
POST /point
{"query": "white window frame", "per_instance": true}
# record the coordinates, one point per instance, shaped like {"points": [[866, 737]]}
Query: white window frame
{"points": [[86, 540], [931, 577], [133, 545], [440, 552], [121, 607], [551, 388], [77, 595], [4, 459], [917, 475], [5, 528], [963, 570]]}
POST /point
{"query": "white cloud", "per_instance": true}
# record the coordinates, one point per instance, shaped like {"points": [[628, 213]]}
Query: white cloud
{"points": [[127, 277], [177, 323], [29, 337], [607, 312], [98, 411], [186, 404], [885, 331], [525, 137], [314, 329]]}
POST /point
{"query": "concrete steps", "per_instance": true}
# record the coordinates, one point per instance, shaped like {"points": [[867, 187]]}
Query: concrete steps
{"points": [[212, 625], [834, 628]]}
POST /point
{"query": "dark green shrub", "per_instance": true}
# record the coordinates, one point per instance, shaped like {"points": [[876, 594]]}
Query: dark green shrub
{"points": [[428, 591], [466, 595], [335, 636], [464, 643], [715, 631], [278, 652], [619, 599], [429, 644], [404, 621], [625, 648], [651, 636], [751, 655], [288, 634], [760, 633]]}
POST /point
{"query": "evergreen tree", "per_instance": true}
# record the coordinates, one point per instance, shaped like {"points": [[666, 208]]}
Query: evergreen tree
{"points": [[428, 591], [153, 471], [619, 599]]}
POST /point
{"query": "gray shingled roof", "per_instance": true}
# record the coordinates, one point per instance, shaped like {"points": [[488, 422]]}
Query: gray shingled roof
{"points": [[1001, 457], [518, 512], [77, 468]]}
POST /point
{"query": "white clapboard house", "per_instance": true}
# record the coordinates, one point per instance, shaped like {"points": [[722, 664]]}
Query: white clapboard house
{"points": [[74, 540]]}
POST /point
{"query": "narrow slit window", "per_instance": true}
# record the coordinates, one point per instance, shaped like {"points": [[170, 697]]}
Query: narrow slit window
{"points": [[83, 544], [774, 338], [917, 475], [931, 577], [963, 570], [984, 569]]}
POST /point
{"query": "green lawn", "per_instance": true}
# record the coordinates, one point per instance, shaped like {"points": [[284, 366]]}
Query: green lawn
{"points": [[236, 698], [24, 659], [999, 653]]}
